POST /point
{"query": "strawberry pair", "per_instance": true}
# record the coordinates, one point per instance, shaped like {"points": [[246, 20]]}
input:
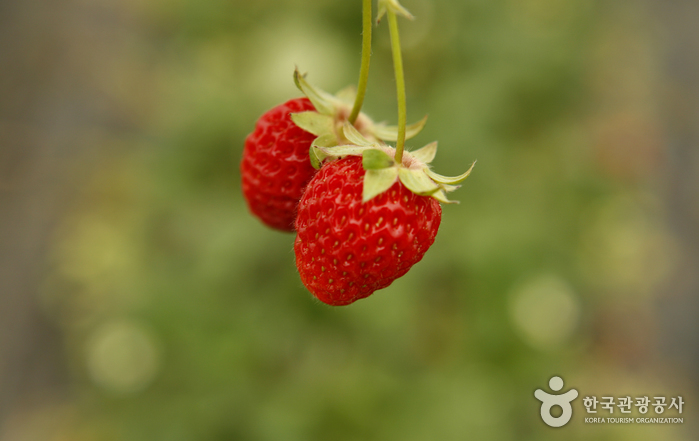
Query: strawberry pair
{"points": [[363, 219]]}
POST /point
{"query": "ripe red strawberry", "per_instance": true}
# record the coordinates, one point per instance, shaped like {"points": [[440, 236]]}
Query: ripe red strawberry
{"points": [[346, 249], [275, 166]]}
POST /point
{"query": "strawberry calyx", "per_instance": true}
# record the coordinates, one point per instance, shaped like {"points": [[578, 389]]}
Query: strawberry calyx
{"points": [[332, 111], [393, 6], [382, 170]]}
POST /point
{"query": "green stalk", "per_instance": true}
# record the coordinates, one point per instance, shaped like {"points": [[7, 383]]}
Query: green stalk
{"points": [[400, 83], [366, 57]]}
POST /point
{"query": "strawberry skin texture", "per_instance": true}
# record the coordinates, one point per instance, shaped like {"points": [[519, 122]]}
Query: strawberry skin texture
{"points": [[345, 248], [276, 168]]}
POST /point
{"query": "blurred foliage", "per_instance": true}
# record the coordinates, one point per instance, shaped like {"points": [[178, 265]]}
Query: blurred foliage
{"points": [[185, 319]]}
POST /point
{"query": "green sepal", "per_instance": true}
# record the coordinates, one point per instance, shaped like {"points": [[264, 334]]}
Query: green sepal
{"points": [[375, 159], [316, 152], [441, 197], [390, 133], [316, 162], [449, 188], [396, 7], [313, 122], [417, 181], [342, 150], [322, 101], [327, 140], [447, 179], [353, 135], [425, 154], [378, 181]]}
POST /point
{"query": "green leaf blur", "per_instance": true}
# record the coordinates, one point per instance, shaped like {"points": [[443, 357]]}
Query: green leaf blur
{"points": [[183, 318]]}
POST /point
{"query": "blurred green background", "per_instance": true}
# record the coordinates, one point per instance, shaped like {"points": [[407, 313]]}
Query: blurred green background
{"points": [[141, 301]]}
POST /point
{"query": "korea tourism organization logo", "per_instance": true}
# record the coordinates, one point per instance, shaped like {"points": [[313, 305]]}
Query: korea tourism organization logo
{"points": [[562, 400], [623, 405]]}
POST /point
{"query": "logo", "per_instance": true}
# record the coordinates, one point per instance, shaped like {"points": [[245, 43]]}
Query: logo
{"points": [[562, 400]]}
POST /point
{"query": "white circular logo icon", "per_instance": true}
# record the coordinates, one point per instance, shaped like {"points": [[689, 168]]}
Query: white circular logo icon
{"points": [[549, 400]]}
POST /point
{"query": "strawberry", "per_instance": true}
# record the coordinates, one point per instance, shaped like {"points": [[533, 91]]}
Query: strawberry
{"points": [[275, 167], [365, 221], [347, 249]]}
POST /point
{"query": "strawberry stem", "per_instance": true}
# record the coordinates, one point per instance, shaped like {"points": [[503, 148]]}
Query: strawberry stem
{"points": [[400, 83], [366, 57]]}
